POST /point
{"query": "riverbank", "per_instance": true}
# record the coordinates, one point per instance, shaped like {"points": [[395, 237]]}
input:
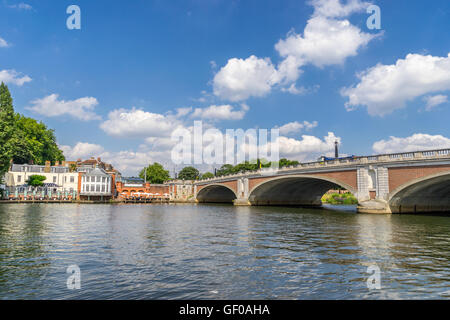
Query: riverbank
{"points": [[336, 198], [82, 201]]}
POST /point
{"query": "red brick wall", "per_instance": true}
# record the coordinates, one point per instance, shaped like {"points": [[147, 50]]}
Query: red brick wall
{"points": [[347, 177], [400, 176], [230, 184]]}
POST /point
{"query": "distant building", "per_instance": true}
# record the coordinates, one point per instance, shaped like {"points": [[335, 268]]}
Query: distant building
{"points": [[132, 187], [58, 175], [96, 185], [182, 190], [87, 166]]}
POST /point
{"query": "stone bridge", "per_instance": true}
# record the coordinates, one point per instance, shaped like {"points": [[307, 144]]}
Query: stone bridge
{"points": [[414, 182]]}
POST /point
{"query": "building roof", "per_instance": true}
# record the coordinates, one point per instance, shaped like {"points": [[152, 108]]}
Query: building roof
{"points": [[97, 172]]}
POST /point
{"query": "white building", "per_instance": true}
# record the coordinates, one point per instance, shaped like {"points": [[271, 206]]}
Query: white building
{"points": [[96, 184], [61, 176]]}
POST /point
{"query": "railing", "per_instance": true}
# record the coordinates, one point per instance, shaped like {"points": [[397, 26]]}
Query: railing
{"points": [[393, 157]]}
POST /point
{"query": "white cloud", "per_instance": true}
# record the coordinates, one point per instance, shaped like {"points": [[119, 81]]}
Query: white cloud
{"points": [[241, 79], [300, 90], [385, 88], [3, 43], [294, 127], [81, 108], [309, 148], [127, 162], [139, 123], [223, 112], [82, 150], [433, 101], [13, 77], [21, 6], [416, 142], [326, 40]]}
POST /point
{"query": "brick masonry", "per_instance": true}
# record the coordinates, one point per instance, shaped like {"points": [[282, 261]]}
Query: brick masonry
{"points": [[400, 176], [345, 177]]}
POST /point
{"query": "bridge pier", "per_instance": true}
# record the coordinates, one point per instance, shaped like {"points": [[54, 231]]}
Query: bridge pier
{"points": [[376, 206]]}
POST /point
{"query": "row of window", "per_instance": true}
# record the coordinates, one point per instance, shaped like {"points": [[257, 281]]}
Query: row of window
{"points": [[95, 188], [94, 179], [72, 179]]}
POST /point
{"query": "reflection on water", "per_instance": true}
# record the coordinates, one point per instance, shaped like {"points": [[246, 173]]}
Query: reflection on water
{"points": [[219, 252]]}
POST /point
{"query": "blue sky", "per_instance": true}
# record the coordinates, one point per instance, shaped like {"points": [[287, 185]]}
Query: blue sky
{"points": [[113, 88]]}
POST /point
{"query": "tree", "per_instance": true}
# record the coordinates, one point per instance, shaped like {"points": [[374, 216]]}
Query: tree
{"points": [[224, 170], [286, 163], [207, 175], [6, 129], [36, 180], [154, 173], [34, 142], [189, 173], [23, 139]]}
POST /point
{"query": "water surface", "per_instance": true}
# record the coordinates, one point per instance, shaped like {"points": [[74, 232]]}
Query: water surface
{"points": [[219, 252]]}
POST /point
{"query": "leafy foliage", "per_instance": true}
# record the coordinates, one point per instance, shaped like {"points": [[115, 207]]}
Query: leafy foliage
{"points": [[189, 173], [6, 129], [23, 139], [155, 173], [36, 180], [207, 175], [343, 198], [227, 169], [34, 142]]}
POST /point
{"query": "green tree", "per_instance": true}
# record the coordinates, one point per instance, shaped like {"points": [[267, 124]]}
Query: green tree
{"points": [[189, 173], [6, 129], [207, 175], [286, 163], [154, 173], [225, 170], [34, 142], [36, 180]]}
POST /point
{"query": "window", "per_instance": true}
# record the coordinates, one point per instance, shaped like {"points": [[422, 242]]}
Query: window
{"points": [[99, 179], [97, 188], [103, 188], [72, 179], [54, 179], [65, 179], [19, 178], [103, 179], [92, 187]]}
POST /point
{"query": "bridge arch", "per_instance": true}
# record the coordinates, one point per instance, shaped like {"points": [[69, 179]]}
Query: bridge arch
{"points": [[216, 193], [426, 194], [301, 190]]}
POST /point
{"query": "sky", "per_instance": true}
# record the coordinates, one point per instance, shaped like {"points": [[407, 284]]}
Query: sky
{"points": [[136, 71]]}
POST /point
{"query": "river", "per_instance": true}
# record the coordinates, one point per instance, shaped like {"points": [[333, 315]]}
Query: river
{"points": [[219, 252]]}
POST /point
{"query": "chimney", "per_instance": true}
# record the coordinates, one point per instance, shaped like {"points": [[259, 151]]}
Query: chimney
{"points": [[336, 150], [47, 166]]}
